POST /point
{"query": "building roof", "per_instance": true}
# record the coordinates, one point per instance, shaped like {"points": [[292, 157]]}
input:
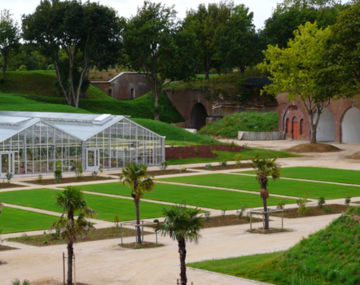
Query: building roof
{"points": [[80, 126]]}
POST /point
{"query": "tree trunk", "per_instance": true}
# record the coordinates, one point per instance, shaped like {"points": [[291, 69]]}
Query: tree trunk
{"points": [[70, 250], [264, 195], [313, 133], [266, 215], [182, 253], [138, 229]]}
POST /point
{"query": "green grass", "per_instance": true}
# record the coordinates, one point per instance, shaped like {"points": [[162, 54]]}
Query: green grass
{"points": [[330, 256], [283, 187], [107, 208], [230, 125], [246, 154], [15, 220], [323, 174], [201, 197]]}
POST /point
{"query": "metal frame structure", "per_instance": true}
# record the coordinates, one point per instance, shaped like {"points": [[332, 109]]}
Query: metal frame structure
{"points": [[33, 143]]}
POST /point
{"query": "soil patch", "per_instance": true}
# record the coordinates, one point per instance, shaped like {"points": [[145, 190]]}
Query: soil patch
{"points": [[9, 185], [221, 167], [70, 180], [313, 147], [97, 234], [313, 211], [269, 231], [145, 244], [53, 282], [356, 155], [4, 247], [167, 171]]}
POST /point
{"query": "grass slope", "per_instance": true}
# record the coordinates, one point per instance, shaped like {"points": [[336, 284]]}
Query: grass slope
{"points": [[107, 208], [39, 86], [283, 187], [330, 256], [201, 197], [230, 125], [15, 220]]}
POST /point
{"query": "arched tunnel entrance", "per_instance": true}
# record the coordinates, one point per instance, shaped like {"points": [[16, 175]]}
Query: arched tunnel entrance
{"points": [[198, 116]]}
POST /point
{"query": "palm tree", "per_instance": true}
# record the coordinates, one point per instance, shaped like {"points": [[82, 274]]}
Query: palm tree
{"points": [[72, 201], [265, 167], [181, 224], [135, 176]]}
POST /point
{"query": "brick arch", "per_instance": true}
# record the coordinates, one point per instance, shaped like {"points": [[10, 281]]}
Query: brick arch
{"points": [[351, 129], [291, 111]]}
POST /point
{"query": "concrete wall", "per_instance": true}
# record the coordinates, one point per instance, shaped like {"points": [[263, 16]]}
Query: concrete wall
{"points": [[326, 128], [351, 126]]}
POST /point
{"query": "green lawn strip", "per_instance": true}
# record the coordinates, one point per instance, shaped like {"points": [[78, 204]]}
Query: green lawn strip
{"points": [[245, 154], [15, 220], [321, 174], [281, 187], [201, 197], [106, 207], [330, 256]]}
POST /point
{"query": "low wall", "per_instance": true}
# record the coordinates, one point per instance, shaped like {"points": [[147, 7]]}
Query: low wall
{"points": [[180, 152], [260, 136]]}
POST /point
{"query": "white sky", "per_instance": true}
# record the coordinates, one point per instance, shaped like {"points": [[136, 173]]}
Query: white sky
{"points": [[262, 8]]}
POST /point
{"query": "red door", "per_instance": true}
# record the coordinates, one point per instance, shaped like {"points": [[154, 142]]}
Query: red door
{"points": [[288, 129], [295, 130]]}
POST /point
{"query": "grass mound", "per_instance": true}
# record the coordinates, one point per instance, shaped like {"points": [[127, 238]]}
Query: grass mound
{"points": [[229, 126], [35, 90], [313, 147], [330, 256]]}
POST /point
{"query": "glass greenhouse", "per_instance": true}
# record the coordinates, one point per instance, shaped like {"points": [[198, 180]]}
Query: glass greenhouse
{"points": [[36, 142]]}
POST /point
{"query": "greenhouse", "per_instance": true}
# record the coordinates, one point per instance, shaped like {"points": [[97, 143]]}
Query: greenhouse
{"points": [[39, 142]]}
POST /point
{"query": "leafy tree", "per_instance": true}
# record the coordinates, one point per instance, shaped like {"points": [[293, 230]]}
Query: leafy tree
{"points": [[236, 41], [155, 45], [181, 224], [135, 176], [28, 58], [9, 38], [204, 23], [286, 18], [296, 69], [76, 37], [343, 54], [72, 201], [265, 167]]}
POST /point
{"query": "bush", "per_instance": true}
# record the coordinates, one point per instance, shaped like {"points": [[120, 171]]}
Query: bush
{"points": [[302, 210], [9, 176], [78, 170], [281, 205], [347, 201], [58, 172], [321, 202], [230, 125]]}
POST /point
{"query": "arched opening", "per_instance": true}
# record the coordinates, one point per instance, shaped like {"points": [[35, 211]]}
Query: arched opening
{"points": [[132, 93], [287, 126], [350, 126], [301, 127], [198, 116], [325, 131], [295, 128]]}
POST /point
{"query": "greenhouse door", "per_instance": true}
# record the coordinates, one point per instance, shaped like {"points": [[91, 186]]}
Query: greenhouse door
{"points": [[92, 159], [6, 163]]}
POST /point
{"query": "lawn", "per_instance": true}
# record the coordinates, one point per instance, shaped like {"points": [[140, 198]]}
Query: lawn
{"points": [[330, 256], [322, 174], [201, 197], [107, 208], [283, 187], [246, 154], [15, 220]]}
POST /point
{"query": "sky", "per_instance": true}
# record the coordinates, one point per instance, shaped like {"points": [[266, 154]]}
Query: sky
{"points": [[262, 8]]}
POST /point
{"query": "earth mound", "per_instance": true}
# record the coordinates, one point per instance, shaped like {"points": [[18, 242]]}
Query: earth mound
{"points": [[313, 147], [355, 155]]}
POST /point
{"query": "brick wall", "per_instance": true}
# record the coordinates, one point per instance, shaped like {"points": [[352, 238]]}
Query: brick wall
{"points": [[180, 152]]}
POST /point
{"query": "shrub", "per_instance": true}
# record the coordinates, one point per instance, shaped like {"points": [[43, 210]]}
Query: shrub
{"points": [[94, 174], [58, 172], [164, 165], [40, 178], [281, 205], [321, 202], [207, 216], [347, 201], [9, 176], [302, 210], [223, 163], [78, 170], [208, 166]]}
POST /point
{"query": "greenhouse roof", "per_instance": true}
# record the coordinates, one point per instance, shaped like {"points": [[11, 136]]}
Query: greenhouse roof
{"points": [[80, 126]]}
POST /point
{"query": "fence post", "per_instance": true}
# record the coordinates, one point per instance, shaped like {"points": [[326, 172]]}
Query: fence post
{"points": [[142, 229], [121, 233], [63, 257], [156, 235], [250, 221]]}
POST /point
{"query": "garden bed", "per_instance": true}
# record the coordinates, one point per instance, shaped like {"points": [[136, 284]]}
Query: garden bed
{"points": [[269, 231], [167, 172], [70, 180], [97, 234], [145, 244], [9, 185], [222, 167], [313, 211], [4, 248]]}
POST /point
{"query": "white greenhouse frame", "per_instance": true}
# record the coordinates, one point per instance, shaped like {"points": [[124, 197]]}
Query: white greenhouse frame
{"points": [[33, 143]]}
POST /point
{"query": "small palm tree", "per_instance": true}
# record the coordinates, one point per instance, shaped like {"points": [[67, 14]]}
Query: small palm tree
{"points": [[265, 167], [72, 201], [181, 224], [135, 176]]}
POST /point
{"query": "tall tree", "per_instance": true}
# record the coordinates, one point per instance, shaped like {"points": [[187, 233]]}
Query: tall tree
{"points": [[181, 224], [9, 38], [205, 22], [72, 201], [343, 53], [135, 176], [75, 36], [236, 41], [296, 69], [264, 168], [154, 44]]}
